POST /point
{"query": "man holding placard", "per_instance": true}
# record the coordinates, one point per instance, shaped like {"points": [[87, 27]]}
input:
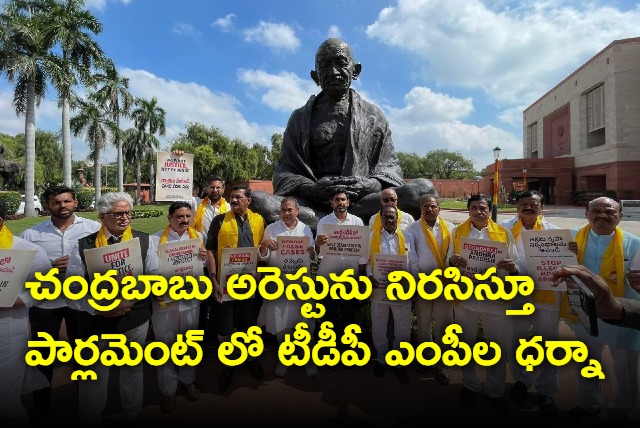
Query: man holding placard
{"points": [[389, 249], [476, 245], [604, 248], [287, 244], [237, 229], [545, 321], [181, 252], [336, 261], [116, 246], [20, 261]]}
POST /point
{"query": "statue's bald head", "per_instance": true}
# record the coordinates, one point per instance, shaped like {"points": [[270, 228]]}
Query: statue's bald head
{"points": [[329, 48]]}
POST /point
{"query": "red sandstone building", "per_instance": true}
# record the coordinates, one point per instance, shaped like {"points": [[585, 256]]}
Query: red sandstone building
{"points": [[584, 134]]}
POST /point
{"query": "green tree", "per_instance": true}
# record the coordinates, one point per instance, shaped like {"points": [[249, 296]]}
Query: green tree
{"points": [[411, 165], [149, 118], [136, 144], [26, 59], [92, 124], [114, 94], [440, 163], [72, 27]]}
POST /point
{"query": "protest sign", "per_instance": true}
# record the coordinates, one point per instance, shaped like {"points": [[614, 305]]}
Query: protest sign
{"points": [[174, 177], [236, 261], [14, 266], [383, 264], [345, 240], [545, 250]]}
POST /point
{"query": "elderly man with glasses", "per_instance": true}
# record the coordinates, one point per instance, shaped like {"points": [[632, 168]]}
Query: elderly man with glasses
{"points": [[130, 318]]}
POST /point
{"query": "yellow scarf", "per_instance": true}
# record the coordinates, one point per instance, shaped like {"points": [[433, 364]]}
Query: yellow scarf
{"points": [[611, 266], [538, 296], [496, 233], [439, 252], [377, 223], [516, 229], [376, 244], [198, 219], [228, 235], [101, 239], [165, 234], [6, 238]]}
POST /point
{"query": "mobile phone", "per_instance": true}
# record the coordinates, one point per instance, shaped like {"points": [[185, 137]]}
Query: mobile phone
{"points": [[582, 303]]}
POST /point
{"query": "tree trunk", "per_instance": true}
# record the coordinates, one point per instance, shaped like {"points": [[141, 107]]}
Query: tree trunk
{"points": [[66, 145], [120, 161], [30, 150], [97, 175], [152, 188], [138, 182]]}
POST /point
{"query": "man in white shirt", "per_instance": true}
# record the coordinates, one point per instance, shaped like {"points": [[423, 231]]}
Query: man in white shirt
{"points": [[57, 235], [338, 264], [431, 239], [14, 330]]}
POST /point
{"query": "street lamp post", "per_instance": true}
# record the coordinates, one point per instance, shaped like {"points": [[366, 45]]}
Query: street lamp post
{"points": [[524, 174], [496, 176]]}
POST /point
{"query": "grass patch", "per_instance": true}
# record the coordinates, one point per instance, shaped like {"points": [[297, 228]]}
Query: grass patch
{"points": [[457, 204], [150, 225]]}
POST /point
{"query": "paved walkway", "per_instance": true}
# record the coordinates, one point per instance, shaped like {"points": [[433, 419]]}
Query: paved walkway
{"points": [[346, 397]]}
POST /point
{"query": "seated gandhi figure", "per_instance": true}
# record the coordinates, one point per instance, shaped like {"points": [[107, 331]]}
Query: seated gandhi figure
{"points": [[337, 141]]}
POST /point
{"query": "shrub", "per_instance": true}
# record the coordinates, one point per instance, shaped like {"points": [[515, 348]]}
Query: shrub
{"points": [[147, 213], [12, 199], [583, 197]]}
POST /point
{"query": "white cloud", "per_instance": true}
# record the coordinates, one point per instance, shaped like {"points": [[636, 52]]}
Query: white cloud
{"points": [[282, 92], [334, 32], [225, 24], [184, 29], [96, 4], [514, 54], [276, 36]]}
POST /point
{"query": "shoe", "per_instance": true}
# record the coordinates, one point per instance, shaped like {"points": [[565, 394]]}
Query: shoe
{"points": [[467, 397], [547, 405], [402, 374], [379, 368], [281, 370], [419, 368], [499, 406], [442, 376], [518, 392], [191, 391], [225, 378], [583, 415], [255, 368], [310, 369], [168, 403]]}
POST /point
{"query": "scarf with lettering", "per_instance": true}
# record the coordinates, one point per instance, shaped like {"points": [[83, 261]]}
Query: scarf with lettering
{"points": [[496, 233], [198, 218], [439, 252], [376, 244], [6, 238], [101, 239], [228, 235], [377, 222]]}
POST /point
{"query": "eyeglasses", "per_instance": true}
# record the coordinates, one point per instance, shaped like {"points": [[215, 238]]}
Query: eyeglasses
{"points": [[389, 199], [121, 214]]}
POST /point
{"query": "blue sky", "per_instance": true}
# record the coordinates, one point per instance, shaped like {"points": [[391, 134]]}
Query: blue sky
{"points": [[447, 74]]}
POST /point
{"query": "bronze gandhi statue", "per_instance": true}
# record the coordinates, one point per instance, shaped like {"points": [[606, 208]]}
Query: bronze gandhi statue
{"points": [[337, 140]]}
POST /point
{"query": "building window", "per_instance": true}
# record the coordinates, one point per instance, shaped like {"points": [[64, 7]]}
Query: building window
{"points": [[532, 133], [595, 108]]}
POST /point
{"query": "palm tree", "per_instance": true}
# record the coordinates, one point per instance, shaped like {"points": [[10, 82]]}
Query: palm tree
{"points": [[149, 118], [27, 61], [117, 100], [92, 123], [69, 27], [136, 146]]}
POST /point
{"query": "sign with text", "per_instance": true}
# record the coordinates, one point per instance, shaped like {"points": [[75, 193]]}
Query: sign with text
{"points": [[545, 251], [180, 258], [124, 257], [237, 261], [292, 254], [383, 264], [14, 266], [482, 254], [174, 177], [345, 240]]}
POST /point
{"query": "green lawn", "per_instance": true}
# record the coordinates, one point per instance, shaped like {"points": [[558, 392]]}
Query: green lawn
{"points": [[149, 225], [456, 204]]}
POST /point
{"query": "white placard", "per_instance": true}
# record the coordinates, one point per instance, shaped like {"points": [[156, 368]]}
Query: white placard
{"points": [[482, 254], [174, 177], [14, 267], [236, 260], [124, 257], [292, 254], [383, 264], [545, 251], [345, 240], [180, 258]]}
